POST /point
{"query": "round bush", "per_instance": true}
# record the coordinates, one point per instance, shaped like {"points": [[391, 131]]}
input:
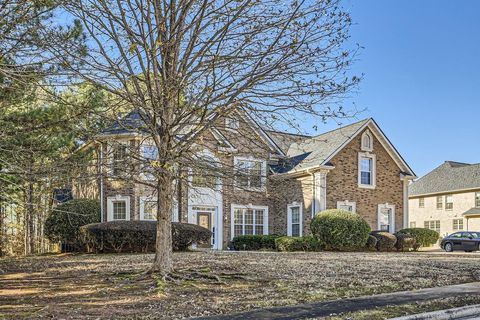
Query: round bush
{"points": [[64, 220], [371, 242], [297, 244], [385, 240], [340, 229], [423, 237], [405, 242], [139, 236]]}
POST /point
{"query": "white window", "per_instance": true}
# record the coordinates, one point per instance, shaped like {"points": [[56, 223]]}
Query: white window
{"points": [[386, 217], [148, 208], [295, 220], [367, 141], [439, 203], [421, 202], [232, 123], [432, 225], [449, 202], [366, 170], [204, 179], [118, 208], [477, 199], [457, 224], [250, 174], [249, 220], [119, 156], [346, 205]]}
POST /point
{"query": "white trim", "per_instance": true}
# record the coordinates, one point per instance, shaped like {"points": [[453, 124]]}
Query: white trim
{"points": [[348, 203], [406, 209], [386, 206], [369, 148], [455, 191], [319, 202], [248, 206], [110, 201], [263, 179], [374, 170], [298, 205], [142, 207]]}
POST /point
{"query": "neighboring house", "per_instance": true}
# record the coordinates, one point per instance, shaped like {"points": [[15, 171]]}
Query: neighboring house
{"points": [[278, 181], [447, 199]]}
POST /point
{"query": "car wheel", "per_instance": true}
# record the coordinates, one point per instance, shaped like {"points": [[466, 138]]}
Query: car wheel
{"points": [[448, 247]]}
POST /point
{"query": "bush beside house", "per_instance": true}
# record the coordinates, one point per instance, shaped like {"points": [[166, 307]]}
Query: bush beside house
{"points": [[308, 243], [254, 242], [64, 221], [423, 237], [139, 236], [385, 240], [340, 230]]}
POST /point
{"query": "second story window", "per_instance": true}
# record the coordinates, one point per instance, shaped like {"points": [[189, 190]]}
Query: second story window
{"points": [[203, 179], [439, 202], [249, 173], [477, 199], [366, 168], [232, 123], [119, 156], [421, 202], [449, 202], [367, 141]]}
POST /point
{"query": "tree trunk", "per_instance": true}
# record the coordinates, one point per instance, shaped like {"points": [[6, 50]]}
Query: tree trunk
{"points": [[2, 230], [30, 243], [163, 247]]}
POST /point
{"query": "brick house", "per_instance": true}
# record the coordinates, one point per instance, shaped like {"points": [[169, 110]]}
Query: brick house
{"points": [[278, 181]]}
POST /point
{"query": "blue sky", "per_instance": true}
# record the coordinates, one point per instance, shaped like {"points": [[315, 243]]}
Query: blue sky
{"points": [[421, 61]]}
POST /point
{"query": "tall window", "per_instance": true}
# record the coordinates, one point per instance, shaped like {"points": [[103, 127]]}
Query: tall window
{"points": [[439, 202], [119, 156], [477, 199], [249, 174], [421, 202], [119, 210], [457, 224], [432, 225], [248, 221], [204, 180], [367, 141], [449, 202], [367, 171], [294, 221], [149, 210]]}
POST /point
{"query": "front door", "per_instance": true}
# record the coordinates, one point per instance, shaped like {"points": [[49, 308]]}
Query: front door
{"points": [[386, 218], [204, 219]]}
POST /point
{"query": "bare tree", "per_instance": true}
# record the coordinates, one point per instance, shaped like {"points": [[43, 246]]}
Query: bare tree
{"points": [[184, 63]]}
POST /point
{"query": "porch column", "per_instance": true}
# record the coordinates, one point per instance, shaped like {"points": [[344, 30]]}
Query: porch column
{"points": [[319, 202]]}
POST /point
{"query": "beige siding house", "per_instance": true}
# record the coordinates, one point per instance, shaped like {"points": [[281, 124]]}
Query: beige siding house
{"points": [[277, 184], [447, 199]]}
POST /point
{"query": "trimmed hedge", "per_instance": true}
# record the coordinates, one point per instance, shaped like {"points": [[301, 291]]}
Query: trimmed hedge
{"points": [[297, 244], [340, 229], [139, 236], [371, 242], [423, 237], [405, 242], [64, 221], [385, 240], [254, 242]]}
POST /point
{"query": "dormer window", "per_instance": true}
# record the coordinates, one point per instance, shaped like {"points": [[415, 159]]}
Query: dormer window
{"points": [[367, 141], [232, 123]]}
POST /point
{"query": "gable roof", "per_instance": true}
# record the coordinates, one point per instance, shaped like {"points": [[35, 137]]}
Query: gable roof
{"points": [[448, 177], [319, 150], [285, 139]]}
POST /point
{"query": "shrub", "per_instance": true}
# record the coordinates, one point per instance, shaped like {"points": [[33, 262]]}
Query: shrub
{"points": [[254, 242], [64, 221], [297, 244], [385, 240], [371, 242], [405, 242], [423, 237], [139, 236], [339, 229]]}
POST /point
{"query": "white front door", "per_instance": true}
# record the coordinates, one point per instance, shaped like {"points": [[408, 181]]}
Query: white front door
{"points": [[386, 217]]}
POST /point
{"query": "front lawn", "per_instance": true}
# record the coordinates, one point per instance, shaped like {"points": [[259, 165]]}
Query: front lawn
{"points": [[113, 285]]}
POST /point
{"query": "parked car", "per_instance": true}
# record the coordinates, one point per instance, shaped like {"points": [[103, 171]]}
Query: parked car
{"points": [[467, 241]]}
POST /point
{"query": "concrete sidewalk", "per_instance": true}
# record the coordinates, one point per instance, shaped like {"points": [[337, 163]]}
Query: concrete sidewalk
{"points": [[323, 309]]}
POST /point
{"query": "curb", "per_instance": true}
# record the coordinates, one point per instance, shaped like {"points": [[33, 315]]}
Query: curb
{"points": [[455, 313]]}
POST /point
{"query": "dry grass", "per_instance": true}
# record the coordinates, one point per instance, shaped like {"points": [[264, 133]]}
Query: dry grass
{"points": [[113, 286]]}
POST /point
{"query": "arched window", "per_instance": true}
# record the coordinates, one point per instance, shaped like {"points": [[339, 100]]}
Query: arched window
{"points": [[367, 141]]}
